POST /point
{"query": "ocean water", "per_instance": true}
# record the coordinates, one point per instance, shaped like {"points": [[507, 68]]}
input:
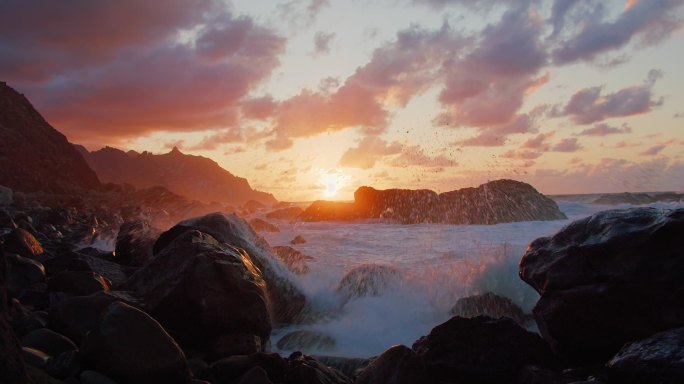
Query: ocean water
{"points": [[435, 265]]}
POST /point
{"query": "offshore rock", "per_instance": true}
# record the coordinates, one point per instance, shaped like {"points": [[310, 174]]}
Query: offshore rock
{"points": [[608, 279], [500, 201], [368, 280], [294, 260], [490, 305]]}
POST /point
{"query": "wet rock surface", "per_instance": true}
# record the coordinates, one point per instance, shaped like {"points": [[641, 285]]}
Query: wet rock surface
{"points": [[500, 201], [608, 279], [490, 305]]}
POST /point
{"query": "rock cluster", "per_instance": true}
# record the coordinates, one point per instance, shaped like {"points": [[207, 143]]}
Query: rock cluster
{"points": [[499, 201]]}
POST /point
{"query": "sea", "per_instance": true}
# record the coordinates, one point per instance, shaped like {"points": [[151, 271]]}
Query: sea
{"points": [[436, 264]]}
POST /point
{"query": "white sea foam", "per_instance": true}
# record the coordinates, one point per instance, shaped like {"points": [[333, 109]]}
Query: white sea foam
{"points": [[439, 264]]}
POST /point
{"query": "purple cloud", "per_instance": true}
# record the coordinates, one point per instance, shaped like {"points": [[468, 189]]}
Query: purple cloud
{"points": [[605, 130], [567, 145]]}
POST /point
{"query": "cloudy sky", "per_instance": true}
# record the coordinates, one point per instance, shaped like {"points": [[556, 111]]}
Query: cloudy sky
{"points": [[312, 97]]}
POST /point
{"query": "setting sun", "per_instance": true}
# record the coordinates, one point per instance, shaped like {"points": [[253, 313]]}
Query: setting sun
{"points": [[333, 181]]}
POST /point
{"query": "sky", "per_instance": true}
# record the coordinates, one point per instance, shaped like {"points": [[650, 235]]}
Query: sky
{"points": [[310, 99]]}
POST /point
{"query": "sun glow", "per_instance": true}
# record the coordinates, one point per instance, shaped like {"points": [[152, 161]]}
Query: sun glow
{"points": [[333, 181]]}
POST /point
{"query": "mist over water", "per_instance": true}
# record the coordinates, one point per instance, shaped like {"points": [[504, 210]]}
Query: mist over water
{"points": [[437, 264]]}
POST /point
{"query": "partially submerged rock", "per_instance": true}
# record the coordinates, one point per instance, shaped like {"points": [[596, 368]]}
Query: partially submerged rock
{"points": [[368, 280], [490, 305]]}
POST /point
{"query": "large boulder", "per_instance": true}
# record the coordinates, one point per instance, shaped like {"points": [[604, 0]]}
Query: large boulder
{"points": [[48, 341], [22, 272], [499, 201], [608, 279], [480, 350], [131, 347], [134, 242], [23, 243], [656, 359], [286, 301], [397, 365], [200, 288], [12, 368]]}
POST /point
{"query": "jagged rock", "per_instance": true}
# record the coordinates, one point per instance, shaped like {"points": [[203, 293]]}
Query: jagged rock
{"points": [[252, 206], [260, 225], [192, 282], [289, 213], [397, 365], [306, 340], [368, 280], [12, 370], [293, 259], [33, 155], [287, 302], [608, 279], [299, 239], [23, 243], [656, 359], [490, 305], [499, 201], [480, 350], [48, 341], [135, 243], [131, 347]]}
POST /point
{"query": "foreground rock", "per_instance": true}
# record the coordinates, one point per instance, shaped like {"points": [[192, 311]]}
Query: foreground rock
{"points": [[480, 350], [131, 347], [12, 368], [608, 279], [500, 201], [657, 359], [201, 289], [286, 301], [490, 305]]}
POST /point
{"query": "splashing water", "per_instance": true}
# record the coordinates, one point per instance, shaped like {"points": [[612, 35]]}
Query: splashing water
{"points": [[438, 264]]}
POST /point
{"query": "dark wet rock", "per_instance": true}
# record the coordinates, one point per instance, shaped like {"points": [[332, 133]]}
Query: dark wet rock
{"points": [[538, 375], [80, 283], [256, 375], [287, 302], [397, 365], [289, 213], [22, 273], [260, 225], [93, 377], [293, 259], [608, 279], [131, 347], [48, 341], [12, 368], [66, 364], [23, 243], [33, 155], [135, 243], [307, 370], [656, 359], [6, 222], [368, 280], [490, 305], [23, 320], [76, 316], [76, 261], [34, 357], [235, 344], [349, 366], [480, 350], [500, 201], [299, 239], [306, 340], [230, 369], [200, 289]]}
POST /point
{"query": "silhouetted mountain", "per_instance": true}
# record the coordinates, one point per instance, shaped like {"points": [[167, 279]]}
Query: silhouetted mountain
{"points": [[33, 155], [195, 177]]}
